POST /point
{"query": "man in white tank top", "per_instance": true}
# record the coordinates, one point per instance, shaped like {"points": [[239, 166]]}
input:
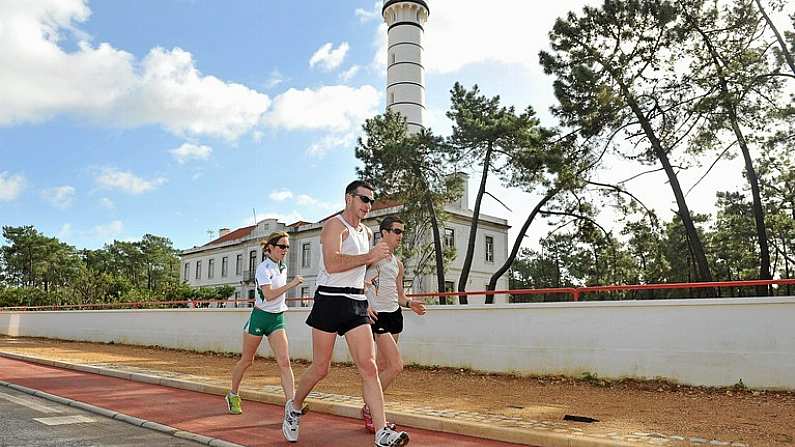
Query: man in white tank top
{"points": [[385, 294], [340, 308]]}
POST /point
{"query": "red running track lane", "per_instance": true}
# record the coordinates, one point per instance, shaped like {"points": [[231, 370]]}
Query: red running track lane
{"points": [[260, 425]]}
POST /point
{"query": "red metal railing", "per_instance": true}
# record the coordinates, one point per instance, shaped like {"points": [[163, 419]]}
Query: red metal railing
{"points": [[574, 292]]}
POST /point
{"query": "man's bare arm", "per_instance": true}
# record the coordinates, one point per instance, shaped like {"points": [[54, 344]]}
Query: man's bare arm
{"points": [[331, 238]]}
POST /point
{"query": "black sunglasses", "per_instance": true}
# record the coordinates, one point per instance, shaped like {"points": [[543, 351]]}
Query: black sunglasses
{"points": [[397, 231], [282, 246], [363, 198]]}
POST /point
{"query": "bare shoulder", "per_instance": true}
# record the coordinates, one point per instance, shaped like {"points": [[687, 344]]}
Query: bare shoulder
{"points": [[333, 228]]}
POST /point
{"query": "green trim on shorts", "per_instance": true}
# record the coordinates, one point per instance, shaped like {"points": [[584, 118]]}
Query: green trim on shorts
{"points": [[264, 323]]}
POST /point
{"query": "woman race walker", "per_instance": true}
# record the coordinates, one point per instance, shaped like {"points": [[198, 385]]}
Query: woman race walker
{"points": [[267, 319], [385, 295]]}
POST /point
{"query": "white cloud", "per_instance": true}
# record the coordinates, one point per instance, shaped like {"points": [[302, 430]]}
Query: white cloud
{"points": [[329, 142], [106, 203], [174, 94], [328, 57], [304, 200], [275, 79], [336, 108], [380, 43], [190, 151], [507, 32], [126, 181], [10, 186], [281, 196], [108, 231], [373, 14], [65, 232], [346, 75], [309, 201], [40, 79], [60, 196]]}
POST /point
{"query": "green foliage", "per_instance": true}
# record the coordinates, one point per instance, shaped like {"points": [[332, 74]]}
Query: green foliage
{"points": [[40, 270], [410, 170]]}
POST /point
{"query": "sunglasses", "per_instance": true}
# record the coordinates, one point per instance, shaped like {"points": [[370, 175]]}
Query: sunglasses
{"points": [[364, 198], [282, 246], [397, 231]]}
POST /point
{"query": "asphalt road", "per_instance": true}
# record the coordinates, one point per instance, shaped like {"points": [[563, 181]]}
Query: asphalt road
{"points": [[31, 421]]}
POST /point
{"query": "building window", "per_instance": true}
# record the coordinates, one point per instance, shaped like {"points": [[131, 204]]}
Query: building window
{"points": [[250, 297], [224, 266], [210, 268], [449, 238], [304, 292], [306, 255], [252, 261], [187, 271], [489, 249], [198, 270], [449, 286], [239, 265]]}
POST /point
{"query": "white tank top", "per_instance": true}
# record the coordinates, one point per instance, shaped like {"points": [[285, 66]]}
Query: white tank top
{"points": [[357, 243], [383, 294]]}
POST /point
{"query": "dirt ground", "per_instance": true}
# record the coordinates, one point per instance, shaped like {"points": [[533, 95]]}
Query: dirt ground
{"points": [[759, 418]]}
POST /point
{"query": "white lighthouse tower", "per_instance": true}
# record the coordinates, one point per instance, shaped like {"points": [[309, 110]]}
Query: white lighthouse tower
{"points": [[405, 75]]}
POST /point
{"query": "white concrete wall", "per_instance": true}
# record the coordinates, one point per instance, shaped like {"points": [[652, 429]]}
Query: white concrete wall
{"points": [[704, 342]]}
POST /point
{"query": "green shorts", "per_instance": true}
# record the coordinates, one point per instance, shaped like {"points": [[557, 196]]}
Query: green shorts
{"points": [[264, 323]]}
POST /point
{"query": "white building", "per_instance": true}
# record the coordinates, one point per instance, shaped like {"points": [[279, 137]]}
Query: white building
{"points": [[232, 258]]}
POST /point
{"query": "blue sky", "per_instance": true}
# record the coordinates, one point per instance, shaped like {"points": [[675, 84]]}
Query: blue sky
{"points": [[175, 117]]}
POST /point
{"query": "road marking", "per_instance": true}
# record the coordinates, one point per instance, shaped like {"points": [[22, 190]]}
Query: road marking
{"points": [[30, 403], [63, 420]]}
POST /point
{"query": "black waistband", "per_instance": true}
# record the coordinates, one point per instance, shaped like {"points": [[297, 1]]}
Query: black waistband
{"points": [[345, 290]]}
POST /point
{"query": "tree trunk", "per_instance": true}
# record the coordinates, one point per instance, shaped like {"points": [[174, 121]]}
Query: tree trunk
{"points": [[753, 180], [704, 273], [437, 247], [782, 44], [517, 244], [473, 229]]}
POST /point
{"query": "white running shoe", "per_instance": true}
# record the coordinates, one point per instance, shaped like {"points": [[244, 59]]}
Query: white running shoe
{"points": [[386, 437], [292, 420]]}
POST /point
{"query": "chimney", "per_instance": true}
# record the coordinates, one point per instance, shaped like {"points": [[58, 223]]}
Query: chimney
{"points": [[223, 232]]}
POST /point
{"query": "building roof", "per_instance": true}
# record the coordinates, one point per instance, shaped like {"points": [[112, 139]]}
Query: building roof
{"points": [[389, 3], [232, 235], [300, 223]]}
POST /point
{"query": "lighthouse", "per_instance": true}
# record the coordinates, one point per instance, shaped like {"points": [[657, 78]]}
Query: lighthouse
{"points": [[405, 75]]}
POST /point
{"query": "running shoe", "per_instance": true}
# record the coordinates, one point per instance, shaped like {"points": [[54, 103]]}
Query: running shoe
{"points": [[292, 421], [368, 420], [386, 437], [233, 403]]}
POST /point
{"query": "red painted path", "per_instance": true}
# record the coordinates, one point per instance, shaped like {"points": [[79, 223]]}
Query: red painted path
{"points": [[205, 414]]}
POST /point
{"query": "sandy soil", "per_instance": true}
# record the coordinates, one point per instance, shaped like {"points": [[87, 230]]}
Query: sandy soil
{"points": [[763, 418]]}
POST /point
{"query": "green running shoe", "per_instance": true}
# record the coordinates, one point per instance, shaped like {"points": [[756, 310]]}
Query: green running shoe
{"points": [[233, 403]]}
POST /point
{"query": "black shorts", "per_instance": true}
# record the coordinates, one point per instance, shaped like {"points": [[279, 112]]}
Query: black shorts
{"points": [[389, 322], [337, 314]]}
